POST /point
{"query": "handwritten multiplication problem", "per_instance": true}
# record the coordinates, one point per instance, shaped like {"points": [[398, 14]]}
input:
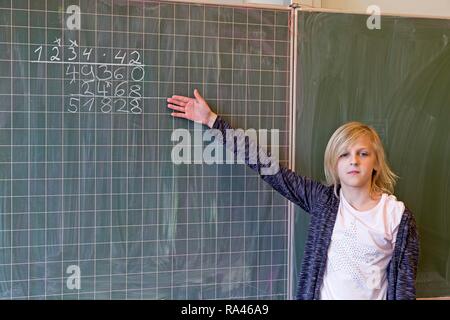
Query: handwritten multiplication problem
{"points": [[93, 84]]}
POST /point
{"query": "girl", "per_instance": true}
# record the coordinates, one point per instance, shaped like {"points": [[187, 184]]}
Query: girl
{"points": [[362, 242]]}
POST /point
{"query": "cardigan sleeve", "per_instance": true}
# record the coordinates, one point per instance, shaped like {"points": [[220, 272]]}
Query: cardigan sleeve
{"points": [[298, 189], [405, 284]]}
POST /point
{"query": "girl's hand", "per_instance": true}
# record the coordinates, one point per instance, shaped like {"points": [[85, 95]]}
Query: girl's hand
{"points": [[192, 109]]}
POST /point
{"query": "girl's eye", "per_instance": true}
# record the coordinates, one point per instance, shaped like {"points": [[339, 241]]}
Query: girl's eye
{"points": [[364, 154], [343, 155]]}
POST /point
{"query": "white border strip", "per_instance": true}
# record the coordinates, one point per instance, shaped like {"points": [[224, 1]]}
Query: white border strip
{"points": [[386, 14]]}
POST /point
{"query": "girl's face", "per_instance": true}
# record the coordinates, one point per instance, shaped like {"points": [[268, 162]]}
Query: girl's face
{"points": [[356, 164]]}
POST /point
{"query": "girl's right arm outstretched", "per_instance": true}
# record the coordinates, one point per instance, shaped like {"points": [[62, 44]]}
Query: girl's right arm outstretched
{"points": [[298, 189]]}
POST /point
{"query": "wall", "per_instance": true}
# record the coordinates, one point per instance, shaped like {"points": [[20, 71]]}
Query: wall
{"points": [[436, 8]]}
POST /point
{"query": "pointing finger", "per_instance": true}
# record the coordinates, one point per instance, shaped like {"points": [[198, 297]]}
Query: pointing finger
{"points": [[181, 98]]}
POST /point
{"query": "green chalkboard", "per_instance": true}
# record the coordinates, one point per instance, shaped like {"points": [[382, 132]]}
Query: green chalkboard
{"points": [[91, 204], [396, 79]]}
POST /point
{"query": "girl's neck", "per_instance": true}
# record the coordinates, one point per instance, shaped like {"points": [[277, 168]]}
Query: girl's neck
{"points": [[360, 198]]}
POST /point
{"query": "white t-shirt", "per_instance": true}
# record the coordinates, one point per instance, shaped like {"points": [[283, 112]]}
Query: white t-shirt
{"points": [[360, 250]]}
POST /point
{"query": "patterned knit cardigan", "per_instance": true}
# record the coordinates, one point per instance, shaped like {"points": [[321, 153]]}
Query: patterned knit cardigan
{"points": [[322, 204]]}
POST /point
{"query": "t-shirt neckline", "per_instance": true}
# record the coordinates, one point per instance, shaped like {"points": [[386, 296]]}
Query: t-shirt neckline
{"points": [[350, 207]]}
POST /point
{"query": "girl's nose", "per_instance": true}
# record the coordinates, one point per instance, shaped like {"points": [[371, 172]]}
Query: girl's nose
{"points": [[353, 160]]}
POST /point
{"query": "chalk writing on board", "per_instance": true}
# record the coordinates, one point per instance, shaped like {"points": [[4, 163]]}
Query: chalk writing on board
{"points": [[113, 86]]}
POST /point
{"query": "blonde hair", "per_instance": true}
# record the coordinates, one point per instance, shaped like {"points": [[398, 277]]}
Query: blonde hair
{"points": [[383, 180]]}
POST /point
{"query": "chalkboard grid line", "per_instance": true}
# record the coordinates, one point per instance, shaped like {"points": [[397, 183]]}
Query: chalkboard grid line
{"points": [[162, 51], [187, 186], [99, 145], [88, 63], [63, 222], [12, 155], [153, 209], [95, 169], [158, 167], [142, 174], [149, 210], [154, 98], [150, 291], [147, 49], [150, 226], [111, 197], [46, 159], [154, 272], [202, 210], [156, 52], [56, 128], [62, 155], [79, 170], [104, 278], [29, 168], [147, 241], [231, 169], [173, 176], [222, 68], [126, 184], [245, 116], [217, 196], [87, 16], [112, 193], [245, 121], [273, 126], [259, 126]]}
